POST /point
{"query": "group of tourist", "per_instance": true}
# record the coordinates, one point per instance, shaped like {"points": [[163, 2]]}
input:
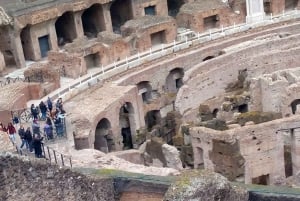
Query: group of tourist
{"points": [[32, 138]]}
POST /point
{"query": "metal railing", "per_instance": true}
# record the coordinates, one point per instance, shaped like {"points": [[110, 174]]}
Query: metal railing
{"points": [[184, 41]]}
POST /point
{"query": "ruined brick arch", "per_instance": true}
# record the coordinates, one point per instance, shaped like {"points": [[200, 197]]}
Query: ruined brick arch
{"points": [[174, 7], [104, 139], [174, 80], [65, 28], [93, 20], [145, 90]]}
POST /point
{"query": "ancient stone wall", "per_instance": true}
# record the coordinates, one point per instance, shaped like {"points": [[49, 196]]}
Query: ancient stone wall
{"points": [[23, 179], [161, 7], [259, 145]]}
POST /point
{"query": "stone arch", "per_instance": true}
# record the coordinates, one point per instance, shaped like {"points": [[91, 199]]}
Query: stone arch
{"points": [[127, 125], [152, 118], [145, 90], [174, 7], [120, 11], [93, 21], [103, 136], [65, 28], [174, 80]]}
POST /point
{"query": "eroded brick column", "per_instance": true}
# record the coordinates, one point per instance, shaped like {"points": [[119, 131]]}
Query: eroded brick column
{"points": [[78, 24], [17, 48], [107, 17]]}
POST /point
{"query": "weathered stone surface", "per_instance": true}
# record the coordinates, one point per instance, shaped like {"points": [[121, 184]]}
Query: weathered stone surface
{"points": [[5, 143], [172, 157], [34, 179], [204, 186]]}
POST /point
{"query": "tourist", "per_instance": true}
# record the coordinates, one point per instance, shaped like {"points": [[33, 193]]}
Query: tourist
{"points": [[49, 104], [43, 109], [28, 138], [48, 130], [21, 133], [35, 127], [58, 126], [37, 145], [34, 111], [12, 133], [59, 104]]}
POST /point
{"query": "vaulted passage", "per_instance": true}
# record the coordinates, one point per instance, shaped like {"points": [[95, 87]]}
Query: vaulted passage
{"points": [[92, 60], [261, 180], [174, 7], [267, 7], [65, 29], [93, 21], [103, 137], [174, 80], [120, 12], [126, 119], [145, 90]]}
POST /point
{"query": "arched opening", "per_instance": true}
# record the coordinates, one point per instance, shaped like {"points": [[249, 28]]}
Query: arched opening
{"points": [[93, 21], [215, 113], [65, 29], [103, 137], [5, 47], [291, 4], [294, 106], [26, 43], [152, 118], [126, 119], [261, 180], [120, 12], [174, 80], [174, 7], [145, 90], [208, 58]]}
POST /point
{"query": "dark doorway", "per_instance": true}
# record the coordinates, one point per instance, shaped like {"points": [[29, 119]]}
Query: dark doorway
{"points": [[150, 10], [152, 118], [267, 7], [26, 43], [103, 137], [65, 29], [243, 108], [294, 105], [44, 45], [200, 164], [261, 180], [211, 22], [120, 12], [291, 4], [92, 60], [158, 38], [126, 120], [288, 164], [93, 21], [174, 80], [145, 90], [174, 7]]}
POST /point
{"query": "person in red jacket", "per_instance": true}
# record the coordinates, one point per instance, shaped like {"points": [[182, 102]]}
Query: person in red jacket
{"points": [[12, 133]]}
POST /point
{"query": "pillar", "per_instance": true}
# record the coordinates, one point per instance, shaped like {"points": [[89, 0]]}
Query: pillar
{"points": [[78, 24], [16, 46], [295, 149], [255, 11], [107, 17]]}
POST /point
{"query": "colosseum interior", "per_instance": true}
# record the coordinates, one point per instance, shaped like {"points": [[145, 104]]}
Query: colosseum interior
{"points": [[160, 88]]}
